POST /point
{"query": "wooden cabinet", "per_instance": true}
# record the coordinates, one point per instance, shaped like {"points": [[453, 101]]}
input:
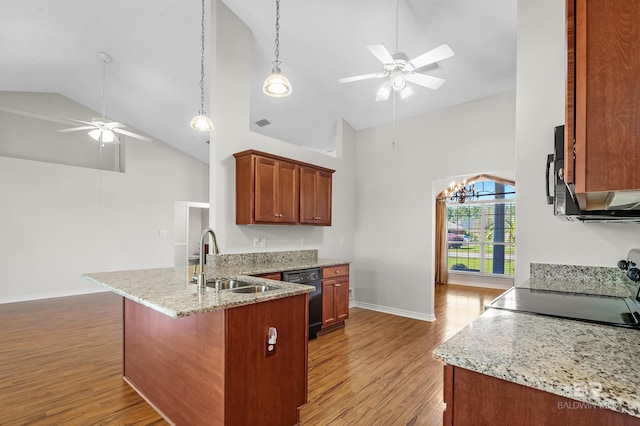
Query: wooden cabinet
{"points": [[277, 276], [335, 295], [267, 190], [602, 123], [315, 196], [277, 190], [472, 398], [213, 368]]}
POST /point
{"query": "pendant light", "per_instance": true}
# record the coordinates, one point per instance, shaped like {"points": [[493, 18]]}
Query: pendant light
{"points": [[276, 84], [201, 121]]}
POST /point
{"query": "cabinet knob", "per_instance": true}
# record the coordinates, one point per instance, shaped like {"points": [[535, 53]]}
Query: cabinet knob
{"points": [[337, 271], [337, 285]]}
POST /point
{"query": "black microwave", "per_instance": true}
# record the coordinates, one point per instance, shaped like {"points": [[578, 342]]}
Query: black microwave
{"points": [[564, 203]]}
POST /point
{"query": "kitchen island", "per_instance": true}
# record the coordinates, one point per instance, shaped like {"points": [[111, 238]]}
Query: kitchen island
{"points": [[518, 368], [202, 357]]}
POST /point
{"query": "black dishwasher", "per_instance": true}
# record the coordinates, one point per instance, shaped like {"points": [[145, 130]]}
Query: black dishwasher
{"points": [[312, 277]]}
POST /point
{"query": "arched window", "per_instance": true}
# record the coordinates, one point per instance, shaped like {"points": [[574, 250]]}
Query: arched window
{"points": [[480, 227]]}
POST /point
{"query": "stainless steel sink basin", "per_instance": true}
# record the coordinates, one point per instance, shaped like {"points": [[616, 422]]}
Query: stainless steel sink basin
{"points": [[253, 289], [225, 284]]}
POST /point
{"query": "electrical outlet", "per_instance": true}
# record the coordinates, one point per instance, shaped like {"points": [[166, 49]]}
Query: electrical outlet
{"points": [[263, 242], [256, 242], [341, 239], [271, 350]]}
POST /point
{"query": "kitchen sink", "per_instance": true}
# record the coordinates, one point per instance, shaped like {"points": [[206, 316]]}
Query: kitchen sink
{"points": [[253, 289], [226, 284]]}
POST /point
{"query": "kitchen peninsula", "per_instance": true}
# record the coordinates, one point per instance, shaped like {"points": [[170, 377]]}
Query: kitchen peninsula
{"points": [[518, 368], [204, 356]]}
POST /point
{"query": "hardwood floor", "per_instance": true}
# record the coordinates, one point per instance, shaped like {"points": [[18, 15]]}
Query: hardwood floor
{"points": [[61, 364]]}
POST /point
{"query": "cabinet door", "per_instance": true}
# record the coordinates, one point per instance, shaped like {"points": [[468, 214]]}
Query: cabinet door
{"points": [[341, 299], [315, 196], [307, 195], [604, 116], [328, 302], [287, 210], [323, 198], [266, 187]]}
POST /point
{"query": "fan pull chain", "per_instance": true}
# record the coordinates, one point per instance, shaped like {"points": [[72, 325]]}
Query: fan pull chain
{"points": [[393, 122]]}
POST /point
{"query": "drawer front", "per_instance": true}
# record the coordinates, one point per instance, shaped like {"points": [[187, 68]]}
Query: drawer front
{"points": [[335, 271]]}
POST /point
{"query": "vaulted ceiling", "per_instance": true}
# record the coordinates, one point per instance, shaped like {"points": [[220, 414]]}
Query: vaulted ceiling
{"points": [[153, 82]]}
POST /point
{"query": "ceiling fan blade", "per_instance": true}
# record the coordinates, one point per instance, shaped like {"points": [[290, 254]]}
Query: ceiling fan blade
{"points": [[52, 118], [428, 81], [381, 52], [361, 77], [133, 135], [75, 129], [434, 55]]}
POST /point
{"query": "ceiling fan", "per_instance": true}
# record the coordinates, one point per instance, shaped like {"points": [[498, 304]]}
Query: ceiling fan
{"points": [[101, 129], [398, 69]]}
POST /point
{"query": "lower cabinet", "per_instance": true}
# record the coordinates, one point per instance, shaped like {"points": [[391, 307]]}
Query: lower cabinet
{"points": [[277, 276], [335, 295], [477, 399]]}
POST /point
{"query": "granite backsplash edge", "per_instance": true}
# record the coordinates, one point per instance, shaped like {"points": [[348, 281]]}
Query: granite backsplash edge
{"points": [[602, 280]]}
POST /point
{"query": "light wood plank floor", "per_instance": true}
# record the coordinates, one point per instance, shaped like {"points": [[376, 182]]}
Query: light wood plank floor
{"points": [[61, 364]]}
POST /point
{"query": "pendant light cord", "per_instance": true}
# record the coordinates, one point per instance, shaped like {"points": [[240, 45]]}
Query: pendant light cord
{"points": [[202, 63], [276, 63]]}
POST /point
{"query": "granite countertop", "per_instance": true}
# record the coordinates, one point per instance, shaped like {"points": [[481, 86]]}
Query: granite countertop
{"points": [[170, 290], [591, 363]]}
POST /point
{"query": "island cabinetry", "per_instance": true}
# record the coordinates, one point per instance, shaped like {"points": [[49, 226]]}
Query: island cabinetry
{"points": [[272, 190], [602, 124], [315, 196], [214, 369], [472, 398], [335, 296]]}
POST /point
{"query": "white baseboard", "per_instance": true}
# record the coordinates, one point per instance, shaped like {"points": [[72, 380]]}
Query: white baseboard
{"points": [[394, 311], [39, 296]]}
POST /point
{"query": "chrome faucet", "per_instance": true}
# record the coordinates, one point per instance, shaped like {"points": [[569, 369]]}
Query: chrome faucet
{"points": [[201, 277]]}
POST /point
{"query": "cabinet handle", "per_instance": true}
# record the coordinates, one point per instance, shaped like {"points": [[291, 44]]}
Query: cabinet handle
{"points": [[337, 285], [337, 271]]}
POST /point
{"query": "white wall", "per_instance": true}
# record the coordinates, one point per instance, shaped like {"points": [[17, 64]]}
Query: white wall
{"points": [[58, 221], [230, 113], [540, 106], [396, 195]]}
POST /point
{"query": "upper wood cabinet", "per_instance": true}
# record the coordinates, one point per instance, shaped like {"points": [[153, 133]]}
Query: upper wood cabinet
{"points": [[277, 190], [315, 196], [602, 123]]}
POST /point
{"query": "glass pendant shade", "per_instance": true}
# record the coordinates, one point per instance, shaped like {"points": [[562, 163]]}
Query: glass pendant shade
{"points": [[202, 122], [276, 85], [384, 92]]}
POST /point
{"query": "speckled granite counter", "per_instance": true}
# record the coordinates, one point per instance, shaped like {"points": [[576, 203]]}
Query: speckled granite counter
{"points": [[167, 291], [224, 265], [590, 363], [170, 291]]}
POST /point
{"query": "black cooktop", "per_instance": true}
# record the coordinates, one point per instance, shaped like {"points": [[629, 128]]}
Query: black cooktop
{"points": [[608, 310]]}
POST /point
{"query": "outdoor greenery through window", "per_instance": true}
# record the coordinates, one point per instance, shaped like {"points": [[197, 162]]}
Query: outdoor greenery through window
{"points": [[481, 231]]}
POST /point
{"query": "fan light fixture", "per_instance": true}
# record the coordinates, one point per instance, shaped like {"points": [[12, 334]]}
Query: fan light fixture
{"points": [[276, 85], [103, 135], [201, 121]]}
